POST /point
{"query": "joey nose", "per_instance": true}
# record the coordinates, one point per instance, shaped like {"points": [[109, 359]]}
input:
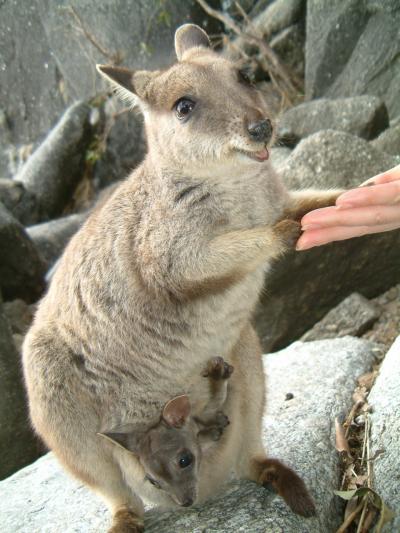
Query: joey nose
{"points": [[261, 130], [187, 502]]}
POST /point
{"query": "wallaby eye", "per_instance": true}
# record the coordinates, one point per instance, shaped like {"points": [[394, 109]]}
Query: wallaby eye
{"points": [[153, 482], [185, 459], [245, 77], [184, 107]]}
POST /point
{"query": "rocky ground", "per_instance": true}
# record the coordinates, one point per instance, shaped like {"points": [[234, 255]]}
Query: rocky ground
{"points": [[342, 300]]}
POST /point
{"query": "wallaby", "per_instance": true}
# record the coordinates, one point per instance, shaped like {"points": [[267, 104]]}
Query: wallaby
{"points": [[171, 451], [162, 276]]}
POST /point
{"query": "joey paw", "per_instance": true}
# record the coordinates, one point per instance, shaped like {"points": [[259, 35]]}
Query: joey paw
{"points": [[217, 369]]}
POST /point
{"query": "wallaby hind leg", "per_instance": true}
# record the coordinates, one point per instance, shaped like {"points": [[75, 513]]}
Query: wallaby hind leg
{"points": [[104, 476], [289, 485]]}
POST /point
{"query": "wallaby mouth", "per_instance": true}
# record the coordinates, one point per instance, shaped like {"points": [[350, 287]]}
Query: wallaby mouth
{"points": [[260, 156]]}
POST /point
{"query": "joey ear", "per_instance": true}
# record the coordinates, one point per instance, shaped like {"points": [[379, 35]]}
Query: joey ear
{"points": [[177, 411], [189, 36], [128, 437], [130, 83]]}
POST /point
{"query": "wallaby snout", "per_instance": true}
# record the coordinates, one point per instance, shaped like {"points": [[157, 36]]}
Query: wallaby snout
{"points": [[260, 131]]}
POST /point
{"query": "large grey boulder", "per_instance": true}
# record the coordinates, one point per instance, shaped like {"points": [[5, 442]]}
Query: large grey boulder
{"points": [[385, 433], [20, 202], [389, 141], [334, 159], [52, 237], [21, 268], [18, 446], [353, 48], [31, 84], [364, 116], [354, 316], [303, 286], [49, 49], [276, 16], [55, 168], [319, 379]]}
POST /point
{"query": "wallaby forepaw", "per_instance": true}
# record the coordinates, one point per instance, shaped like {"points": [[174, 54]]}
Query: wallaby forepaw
{"points": [[126, 521], [288, 232], [217, 369], [221, 420]]}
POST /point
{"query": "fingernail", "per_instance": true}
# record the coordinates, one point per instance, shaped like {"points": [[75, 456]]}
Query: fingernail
{"points": [[300, 247]]}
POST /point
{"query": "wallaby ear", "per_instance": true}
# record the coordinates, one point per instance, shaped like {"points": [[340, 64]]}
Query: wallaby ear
{"points": [[128, 437], [177, 411], [130, 84], [189, 36]]}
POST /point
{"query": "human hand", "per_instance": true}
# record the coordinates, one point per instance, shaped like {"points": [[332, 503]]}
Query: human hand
{"points": [[373, 207]]}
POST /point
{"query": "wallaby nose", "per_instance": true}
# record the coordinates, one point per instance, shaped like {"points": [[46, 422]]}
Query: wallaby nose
{"points": [[187, 502], [261, 130]]}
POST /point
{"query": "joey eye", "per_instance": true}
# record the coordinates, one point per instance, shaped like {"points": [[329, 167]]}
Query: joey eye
{"points": [[153, 482], [184, 107], [245, 77], [185, 459]]}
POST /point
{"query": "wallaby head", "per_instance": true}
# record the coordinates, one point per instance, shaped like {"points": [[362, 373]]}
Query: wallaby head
{"points": [[169, 451], [201, 112]]}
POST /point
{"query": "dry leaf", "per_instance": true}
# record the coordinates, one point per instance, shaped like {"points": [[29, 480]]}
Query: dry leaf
{"points": [[350, 507], [367, 380]]}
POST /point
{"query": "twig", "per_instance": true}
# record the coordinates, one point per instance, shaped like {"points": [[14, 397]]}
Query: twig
{"points": [[115, 58], [273, 65], [366, 443], [350, 518]]}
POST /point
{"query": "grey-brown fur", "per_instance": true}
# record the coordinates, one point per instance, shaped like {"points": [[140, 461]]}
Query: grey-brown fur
{"points": [[162, 276]]}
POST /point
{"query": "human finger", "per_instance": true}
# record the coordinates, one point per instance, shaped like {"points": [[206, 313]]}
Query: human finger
{"points": [[317, 237], [387, 193], [358, 216]]}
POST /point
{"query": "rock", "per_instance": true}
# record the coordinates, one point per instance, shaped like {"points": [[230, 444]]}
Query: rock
{"points": [[142, 37], [278, 15], [279, 156], [354, 316], [31, 80], [333, 159], [18, 201], [51, 237], [385, 433], [352, 48], [388, 141], [21, 269], [364, 116], [55, 168], [64, 61], [300, 431], [125, 146], [303, 286], [289, 45], [18, 447], [19, 315]]}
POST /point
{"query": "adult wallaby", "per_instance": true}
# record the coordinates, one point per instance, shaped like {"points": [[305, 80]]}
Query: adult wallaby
{"points": [[163, 276]]}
